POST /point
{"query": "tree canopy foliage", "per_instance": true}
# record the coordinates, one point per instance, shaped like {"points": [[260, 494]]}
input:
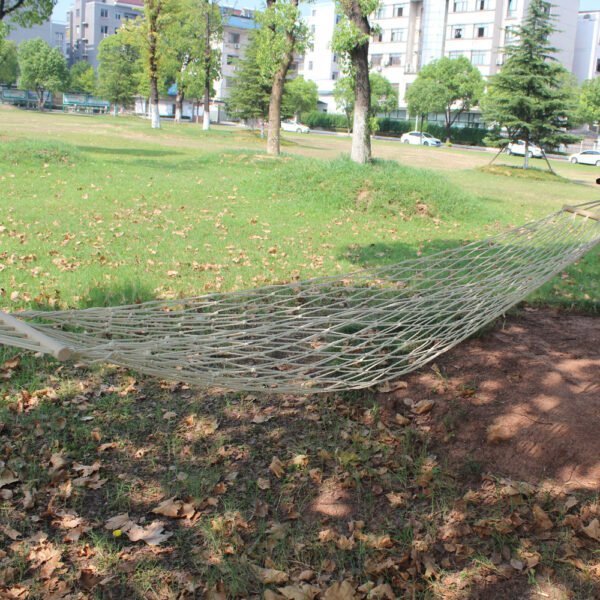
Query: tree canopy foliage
{"points": [[82, 78], [119, 69], [26, 12], [300, 95], [9, 63], [448, 85], [42, 69]]}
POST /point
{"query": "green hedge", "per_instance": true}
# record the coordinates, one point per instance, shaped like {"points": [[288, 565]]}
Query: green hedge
{"points": [[393, 127]]}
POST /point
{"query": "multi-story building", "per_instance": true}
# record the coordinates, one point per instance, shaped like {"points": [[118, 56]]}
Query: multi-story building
{"points": [[238, 25], [90, 21], [52, 33], [409, 34], [586, 64]]}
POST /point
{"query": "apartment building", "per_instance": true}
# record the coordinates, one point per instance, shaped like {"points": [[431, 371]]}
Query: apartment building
{"points": [[586, 64], [238, 25], [409, 34], [90, 21], [51, 32]]}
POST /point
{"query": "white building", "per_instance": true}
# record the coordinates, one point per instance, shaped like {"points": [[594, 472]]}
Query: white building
{"points": [[52, 33], [586, 64], [90, 21], [412, 33]]}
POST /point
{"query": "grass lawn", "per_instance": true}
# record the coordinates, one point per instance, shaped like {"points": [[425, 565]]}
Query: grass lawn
{"points": [[99, 211]]}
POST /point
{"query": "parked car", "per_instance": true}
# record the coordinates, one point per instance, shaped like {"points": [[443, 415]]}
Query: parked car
{"points": [[587, 157], [518, 149], [416, 137], [295, 127]]}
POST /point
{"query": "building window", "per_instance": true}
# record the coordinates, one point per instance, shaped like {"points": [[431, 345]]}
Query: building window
{"points": [[338, 18], [512, 8], [378, 36], [334, 75], [314, 12], [77, 12], [234, 38], [483, 4], [598, 65], [334, 58], [310, 65], [376, 60], [104, 13], [482, 31], [118, 16], [398, 35], [380, 13], [104, 29], [398, 10], [455, 54], [510, 34], [480, 57], [396, 60], [461, 5], [313, 28], [458, 32], [231, 58]]}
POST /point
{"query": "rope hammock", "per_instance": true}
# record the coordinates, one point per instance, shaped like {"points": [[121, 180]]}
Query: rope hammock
{"points": [[320, 335]]}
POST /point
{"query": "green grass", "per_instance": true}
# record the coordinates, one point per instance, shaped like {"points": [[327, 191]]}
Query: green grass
{"points": [[107, 211]]}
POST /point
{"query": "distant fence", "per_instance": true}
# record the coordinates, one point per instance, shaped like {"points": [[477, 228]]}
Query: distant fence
{"points": [[23, 98], [85, 103]]}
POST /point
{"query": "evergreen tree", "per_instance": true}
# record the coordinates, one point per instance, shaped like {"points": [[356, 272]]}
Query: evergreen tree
{"points": [[251, 91], [531, 97]]}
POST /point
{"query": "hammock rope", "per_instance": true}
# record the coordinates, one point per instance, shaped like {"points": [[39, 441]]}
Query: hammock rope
{"points": [[320, 335]]}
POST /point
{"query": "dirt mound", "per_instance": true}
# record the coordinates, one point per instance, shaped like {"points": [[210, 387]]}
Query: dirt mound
{"points": [[523, 400]]}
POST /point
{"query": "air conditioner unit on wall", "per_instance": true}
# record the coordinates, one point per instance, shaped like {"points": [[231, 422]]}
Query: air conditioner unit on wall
{"points": [[236, 46]]}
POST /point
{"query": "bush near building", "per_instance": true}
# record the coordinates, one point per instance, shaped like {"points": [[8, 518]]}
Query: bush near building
{"points": [[469, 136]]}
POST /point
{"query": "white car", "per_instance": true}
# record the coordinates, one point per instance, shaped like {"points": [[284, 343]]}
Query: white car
{"points": [[587, 157], [416, 137], [518, 149], [294, 127]]}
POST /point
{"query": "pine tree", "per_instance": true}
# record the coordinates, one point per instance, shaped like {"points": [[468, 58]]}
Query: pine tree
{"points": [[251, 91], [530, 96]]}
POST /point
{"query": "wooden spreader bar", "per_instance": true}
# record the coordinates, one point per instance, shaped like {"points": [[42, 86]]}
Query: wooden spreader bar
{"points": [[581, 212], [47, 344]]}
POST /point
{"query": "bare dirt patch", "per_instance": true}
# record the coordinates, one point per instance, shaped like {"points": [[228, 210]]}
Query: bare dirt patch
{"points": [[522, 400]]}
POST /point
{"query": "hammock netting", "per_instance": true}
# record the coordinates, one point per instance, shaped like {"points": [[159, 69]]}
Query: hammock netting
{"points": [[320, 335]]}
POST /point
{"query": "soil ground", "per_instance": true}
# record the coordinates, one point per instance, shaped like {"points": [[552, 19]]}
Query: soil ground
{"points": [[522, 400]]}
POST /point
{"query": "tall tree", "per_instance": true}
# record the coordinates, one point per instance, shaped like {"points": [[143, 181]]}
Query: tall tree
{"points": [[26, 12], [453, 86], [9, 64], [192, 28], [421, 98], [343, 94], [251, 90], [119, 70], [299, 96], [82, 78], [530, 97], [282, 34], [42, 68], [351, 42]]}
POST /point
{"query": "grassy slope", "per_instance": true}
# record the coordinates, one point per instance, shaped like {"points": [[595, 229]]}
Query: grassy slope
{"points": [[119, 212]]}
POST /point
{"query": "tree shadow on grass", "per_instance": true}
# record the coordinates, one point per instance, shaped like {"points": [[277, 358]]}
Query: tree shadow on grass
{"points": [[147, 152]]}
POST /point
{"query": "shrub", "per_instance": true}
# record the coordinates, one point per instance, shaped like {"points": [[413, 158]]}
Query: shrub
{"points": [[319, 120]]}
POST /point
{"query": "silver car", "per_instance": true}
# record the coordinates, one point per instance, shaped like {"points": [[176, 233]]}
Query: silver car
{"points": [[416, 137], [294, 127], [518, 149]]}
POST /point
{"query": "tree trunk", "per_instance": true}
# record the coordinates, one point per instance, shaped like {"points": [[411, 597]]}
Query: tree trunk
{"points": [[154, 10], [526, 157], [115, 109], [274, 131], [178, 106], [40, 95], [154, 113], [359, 56], [206, 115], [448, 127]]}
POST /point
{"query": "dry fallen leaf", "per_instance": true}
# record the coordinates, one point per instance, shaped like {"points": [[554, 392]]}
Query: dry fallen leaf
{"points": [[340, 591], [541, 519], [7, 477], [276, 467], [423, 407], [119, 522], [175, 509], [152, 534], [593, 530], [263, 483], [271, 576]]}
